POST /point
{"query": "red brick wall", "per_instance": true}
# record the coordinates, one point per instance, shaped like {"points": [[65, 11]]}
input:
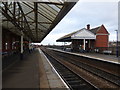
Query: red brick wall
{"points": [[8, 37], [102, 30], [102, 40], [3, 42]]}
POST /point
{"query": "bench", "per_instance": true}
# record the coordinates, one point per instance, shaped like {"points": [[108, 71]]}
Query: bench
{"points": [[107, 52]]}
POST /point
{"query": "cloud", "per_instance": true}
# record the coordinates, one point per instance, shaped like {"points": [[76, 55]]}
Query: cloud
{"points": [[83, 13], [51, 39]]}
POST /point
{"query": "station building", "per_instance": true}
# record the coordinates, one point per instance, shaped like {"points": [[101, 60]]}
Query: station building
{"points": [[87, 38]]}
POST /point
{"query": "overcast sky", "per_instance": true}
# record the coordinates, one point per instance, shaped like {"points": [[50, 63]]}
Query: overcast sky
{"points": [[83, 13]]}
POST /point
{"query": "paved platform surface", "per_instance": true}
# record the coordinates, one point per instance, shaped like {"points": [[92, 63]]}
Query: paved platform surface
{"points": [[23, 74], [104, 57], [111, 58], [48, 76], [34, 72]]}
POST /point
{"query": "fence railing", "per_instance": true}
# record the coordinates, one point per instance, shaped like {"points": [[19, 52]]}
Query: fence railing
{"points": [[111, 50], [108, 50]]}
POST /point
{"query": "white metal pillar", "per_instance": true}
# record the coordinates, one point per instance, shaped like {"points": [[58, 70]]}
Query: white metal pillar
{"points": [[84, 44], [21, 43], [21, 50]]}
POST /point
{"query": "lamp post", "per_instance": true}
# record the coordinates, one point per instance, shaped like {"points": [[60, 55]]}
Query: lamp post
{"points": [[116, 43]]}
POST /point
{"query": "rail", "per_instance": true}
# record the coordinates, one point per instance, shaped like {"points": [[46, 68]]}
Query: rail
{"points": [[91, 66], [73, 80]]}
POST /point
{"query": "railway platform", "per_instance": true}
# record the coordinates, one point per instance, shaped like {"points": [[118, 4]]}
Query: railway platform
{"points": [[98, 56], [33, 72]]}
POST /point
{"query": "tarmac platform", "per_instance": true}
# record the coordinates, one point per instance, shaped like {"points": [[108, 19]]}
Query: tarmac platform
{"points": [[98, 56], [33, 72]]}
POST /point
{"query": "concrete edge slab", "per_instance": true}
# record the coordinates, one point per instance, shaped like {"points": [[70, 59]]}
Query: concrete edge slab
{"points": [[114, 62], [54, 70]]}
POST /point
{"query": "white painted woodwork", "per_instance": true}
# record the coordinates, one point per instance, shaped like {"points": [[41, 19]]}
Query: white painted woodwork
{"points": [[83, 34]]}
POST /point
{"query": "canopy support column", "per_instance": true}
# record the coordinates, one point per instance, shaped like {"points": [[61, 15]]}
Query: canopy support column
{"points": [[84, 45], [21, 51], [29, 46]]}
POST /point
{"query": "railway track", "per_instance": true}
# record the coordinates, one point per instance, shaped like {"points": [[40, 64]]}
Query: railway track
{"points": [[73, 80], [111, 80], [105, 75]]}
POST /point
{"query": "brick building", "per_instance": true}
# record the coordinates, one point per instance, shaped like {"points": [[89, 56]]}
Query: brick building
{"points": [[87, 38], [11, 41]]}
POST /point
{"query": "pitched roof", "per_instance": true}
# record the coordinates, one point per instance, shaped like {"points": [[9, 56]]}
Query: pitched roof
{"points": [[93, 30], [70, 34]]}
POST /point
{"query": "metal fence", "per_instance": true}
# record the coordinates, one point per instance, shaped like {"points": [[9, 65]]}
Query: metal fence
{"points": [[102, 50], [112, 50]]}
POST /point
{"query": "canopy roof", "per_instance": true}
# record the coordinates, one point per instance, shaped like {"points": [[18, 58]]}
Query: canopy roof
{"points": [[80, 34], [34, 19]]}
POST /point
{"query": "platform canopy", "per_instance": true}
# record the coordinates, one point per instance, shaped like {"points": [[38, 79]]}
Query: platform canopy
{"points": [[79, 34], [34, 19]]}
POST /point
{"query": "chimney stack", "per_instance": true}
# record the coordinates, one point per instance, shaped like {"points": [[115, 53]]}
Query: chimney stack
{"points": [[88, 27]]}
